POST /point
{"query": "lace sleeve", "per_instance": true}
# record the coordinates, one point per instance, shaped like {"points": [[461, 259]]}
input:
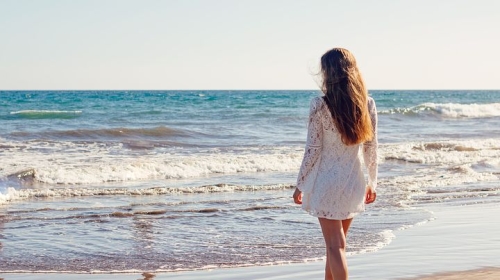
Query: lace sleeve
{"points": [[370, 148], [313, 145]]}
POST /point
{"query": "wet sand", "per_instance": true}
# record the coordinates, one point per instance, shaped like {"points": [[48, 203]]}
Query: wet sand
{"points": [[461, 243]]}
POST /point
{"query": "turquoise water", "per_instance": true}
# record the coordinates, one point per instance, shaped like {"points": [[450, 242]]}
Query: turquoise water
{"points": [[182, 180]]}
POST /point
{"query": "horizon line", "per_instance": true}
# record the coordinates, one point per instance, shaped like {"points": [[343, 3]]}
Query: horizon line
{"points": [[378, 89]]}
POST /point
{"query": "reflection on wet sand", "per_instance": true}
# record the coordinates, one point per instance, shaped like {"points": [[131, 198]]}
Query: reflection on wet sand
{"points": [[143, 233], [2, 222], [146, 275]]}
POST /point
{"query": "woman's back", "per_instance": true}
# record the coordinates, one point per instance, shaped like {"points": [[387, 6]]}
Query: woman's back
{"points": [[338, 185]]}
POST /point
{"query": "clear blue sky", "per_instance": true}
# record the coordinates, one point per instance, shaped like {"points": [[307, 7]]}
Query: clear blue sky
{"points": [[246, 44]]}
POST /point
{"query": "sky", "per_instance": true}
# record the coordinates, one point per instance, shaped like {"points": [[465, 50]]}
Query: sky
{"points": [[245, 44]]}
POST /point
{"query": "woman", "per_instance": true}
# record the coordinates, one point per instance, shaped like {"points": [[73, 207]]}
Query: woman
{"points": [[331, 184]]}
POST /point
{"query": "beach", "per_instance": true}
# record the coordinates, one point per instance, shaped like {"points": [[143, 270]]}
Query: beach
{"points": [[198, 185], [461, 242], [164, 140]]}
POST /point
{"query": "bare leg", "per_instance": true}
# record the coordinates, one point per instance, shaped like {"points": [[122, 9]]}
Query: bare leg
{"points": [[328, 271], [334, 232], [346, 224]]}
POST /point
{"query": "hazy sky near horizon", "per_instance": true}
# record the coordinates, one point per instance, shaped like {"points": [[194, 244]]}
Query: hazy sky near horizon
{"points": [[246, 44]]}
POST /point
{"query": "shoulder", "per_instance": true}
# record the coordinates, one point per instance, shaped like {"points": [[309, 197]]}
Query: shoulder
{"points": [[316, 103], [371, 104], [371, 101]]}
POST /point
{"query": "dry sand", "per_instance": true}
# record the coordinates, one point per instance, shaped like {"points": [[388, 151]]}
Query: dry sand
{"points": [[491, 273]]}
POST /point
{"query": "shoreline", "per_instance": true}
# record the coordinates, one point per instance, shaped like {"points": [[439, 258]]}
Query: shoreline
{"points": [[460, 242]]}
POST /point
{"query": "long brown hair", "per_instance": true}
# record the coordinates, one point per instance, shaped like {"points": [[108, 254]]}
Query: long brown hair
{"points": [[346, 96]]}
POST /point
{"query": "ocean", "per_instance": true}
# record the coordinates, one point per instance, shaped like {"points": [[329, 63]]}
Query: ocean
{"points": [[126, 181]]}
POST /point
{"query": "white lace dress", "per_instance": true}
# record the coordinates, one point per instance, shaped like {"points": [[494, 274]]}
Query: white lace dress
{"points": [[331, 177]]}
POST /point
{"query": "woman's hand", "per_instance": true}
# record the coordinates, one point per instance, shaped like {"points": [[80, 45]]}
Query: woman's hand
{"points": [[370, 195], [297, 196]]}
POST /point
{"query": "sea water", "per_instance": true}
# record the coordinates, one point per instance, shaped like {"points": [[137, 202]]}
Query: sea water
{"points": [[120, 181]]}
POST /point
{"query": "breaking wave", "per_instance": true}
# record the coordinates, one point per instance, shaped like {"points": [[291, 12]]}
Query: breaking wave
{"points": [[450, 110], [12, 194], [45, 114]]}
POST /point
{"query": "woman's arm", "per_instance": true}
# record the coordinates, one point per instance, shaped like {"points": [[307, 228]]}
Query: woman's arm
{"points": [[370, 148], [313, 145]]}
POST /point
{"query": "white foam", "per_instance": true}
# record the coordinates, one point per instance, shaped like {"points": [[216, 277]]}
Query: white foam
{"points": [[404, 227], [10, 195], [452, 110], [443, 166], [13, 194], [77, 163], [445, 153], [387, 237], [68, 163]]}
